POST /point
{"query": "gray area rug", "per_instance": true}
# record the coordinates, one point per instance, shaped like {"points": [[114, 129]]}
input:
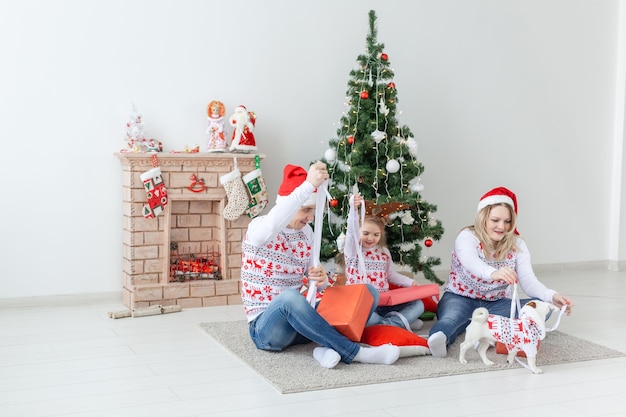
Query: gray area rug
{"points": [[295, 370]]}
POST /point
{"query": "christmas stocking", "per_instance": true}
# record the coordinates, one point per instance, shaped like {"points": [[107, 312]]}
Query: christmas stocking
{"points": [[236, 193], [155, 190], [257, 190]]}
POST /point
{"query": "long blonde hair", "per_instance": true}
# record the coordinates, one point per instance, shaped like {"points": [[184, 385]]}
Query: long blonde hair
{"points": [[491, 249]]}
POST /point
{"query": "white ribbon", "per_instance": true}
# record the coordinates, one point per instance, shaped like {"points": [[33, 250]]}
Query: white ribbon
{"points": [[515, 301], [320, 202], [359, 252]]}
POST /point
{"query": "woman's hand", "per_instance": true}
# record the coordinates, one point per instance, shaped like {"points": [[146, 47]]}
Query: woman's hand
{"points": [[561, 300], [505, 274], [317, 274]]}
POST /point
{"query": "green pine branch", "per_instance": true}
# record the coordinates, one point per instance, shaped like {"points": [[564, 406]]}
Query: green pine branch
{"points": [[369, 138]]}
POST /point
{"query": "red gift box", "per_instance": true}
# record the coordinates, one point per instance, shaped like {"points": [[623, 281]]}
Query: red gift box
{"points": [[347, 309], [406, 294]]}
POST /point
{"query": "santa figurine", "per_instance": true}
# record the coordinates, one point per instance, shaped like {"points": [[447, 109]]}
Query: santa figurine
{"points": [[215, 128], [243, 139]]}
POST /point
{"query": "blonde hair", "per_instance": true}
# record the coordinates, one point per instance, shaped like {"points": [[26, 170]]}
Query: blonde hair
{"points": [[380, 222], [491, 249], [376, 221]]}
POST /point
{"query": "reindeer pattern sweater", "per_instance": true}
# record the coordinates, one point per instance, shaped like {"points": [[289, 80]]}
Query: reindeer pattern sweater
{"points": [[275, 257], [379, 269], [470, 272]]}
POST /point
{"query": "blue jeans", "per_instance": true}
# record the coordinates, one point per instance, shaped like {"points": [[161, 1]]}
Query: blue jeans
{"points": [[411, 312], [290, 320], [454, 313]]}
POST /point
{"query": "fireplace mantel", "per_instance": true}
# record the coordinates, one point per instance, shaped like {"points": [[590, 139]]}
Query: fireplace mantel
{"points": [[190, 220]]}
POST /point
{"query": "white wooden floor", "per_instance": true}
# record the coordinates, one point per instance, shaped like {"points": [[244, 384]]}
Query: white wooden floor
{"points": [[62, 356]]}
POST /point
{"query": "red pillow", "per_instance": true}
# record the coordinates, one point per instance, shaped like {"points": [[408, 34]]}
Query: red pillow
{"points": [[381, 334]]}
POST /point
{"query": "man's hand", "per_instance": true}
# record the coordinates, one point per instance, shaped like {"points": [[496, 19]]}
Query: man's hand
{"points": [[317, 274], [317, 174]]}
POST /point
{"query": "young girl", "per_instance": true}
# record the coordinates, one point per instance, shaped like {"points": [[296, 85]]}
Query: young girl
{"points": [[367, 260]]}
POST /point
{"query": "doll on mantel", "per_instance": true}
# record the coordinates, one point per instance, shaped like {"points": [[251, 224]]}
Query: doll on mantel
{"points": [[215, 129], [244, 123]]}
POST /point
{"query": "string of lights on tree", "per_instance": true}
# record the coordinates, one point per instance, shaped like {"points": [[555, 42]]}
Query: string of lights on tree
{"points": [[375, 156]]}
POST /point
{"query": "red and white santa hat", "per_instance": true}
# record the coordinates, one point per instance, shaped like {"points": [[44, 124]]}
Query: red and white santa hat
{"points": [[293, 177], [496, 196]]}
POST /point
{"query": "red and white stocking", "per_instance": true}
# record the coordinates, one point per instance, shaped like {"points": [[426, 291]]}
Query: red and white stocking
{"points": [[155, 190]]}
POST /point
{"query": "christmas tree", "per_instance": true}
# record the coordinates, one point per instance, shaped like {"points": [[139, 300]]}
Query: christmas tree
{"points": [[377, 156]]}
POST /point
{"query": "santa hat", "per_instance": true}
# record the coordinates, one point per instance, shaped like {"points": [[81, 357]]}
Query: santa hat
{"points": [[496, 196], [293, 177]]}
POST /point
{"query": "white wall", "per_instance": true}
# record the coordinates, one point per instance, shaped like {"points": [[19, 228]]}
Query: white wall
{"points": [[514, 93]]}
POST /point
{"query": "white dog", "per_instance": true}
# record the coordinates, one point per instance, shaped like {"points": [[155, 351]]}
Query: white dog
{"points": [[516, 334]]}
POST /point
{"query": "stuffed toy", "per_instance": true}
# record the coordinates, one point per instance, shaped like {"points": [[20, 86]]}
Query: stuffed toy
{"points": [[215, 129], [244, 122]]}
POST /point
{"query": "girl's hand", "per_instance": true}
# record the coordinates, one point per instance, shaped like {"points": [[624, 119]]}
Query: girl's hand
{"points": [[358, 200], [561, 300], [317, 274], [505, 274]]}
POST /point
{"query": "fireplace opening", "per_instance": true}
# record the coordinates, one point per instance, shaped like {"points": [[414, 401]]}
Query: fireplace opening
{"points": [[187, 265]]}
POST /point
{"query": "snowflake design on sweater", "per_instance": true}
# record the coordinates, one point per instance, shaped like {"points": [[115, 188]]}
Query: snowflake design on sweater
{"points": [[268, 270], [377, 262], [463, 282], [515, 334]]}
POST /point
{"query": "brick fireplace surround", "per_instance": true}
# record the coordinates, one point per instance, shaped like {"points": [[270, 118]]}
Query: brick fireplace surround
{"points": [[192, 220]]}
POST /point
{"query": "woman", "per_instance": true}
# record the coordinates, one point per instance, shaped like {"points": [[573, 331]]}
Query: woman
{"points": [[488, 257], [276, 254]]}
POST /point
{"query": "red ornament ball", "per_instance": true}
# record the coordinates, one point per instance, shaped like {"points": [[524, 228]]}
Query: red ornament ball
{"points": [[365, 95], [384, 57], [334, 202], [428, 243], [391, 85], [350, 140]]}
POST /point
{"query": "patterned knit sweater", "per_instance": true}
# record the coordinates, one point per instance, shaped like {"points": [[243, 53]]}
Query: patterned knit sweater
{"points": [[470, 271], [379, 267], [274, 257]]}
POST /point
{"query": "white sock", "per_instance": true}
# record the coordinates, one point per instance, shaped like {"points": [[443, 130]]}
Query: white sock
{"points": [[383, 354], [437, 345], [417, 324], [326, 357]]}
